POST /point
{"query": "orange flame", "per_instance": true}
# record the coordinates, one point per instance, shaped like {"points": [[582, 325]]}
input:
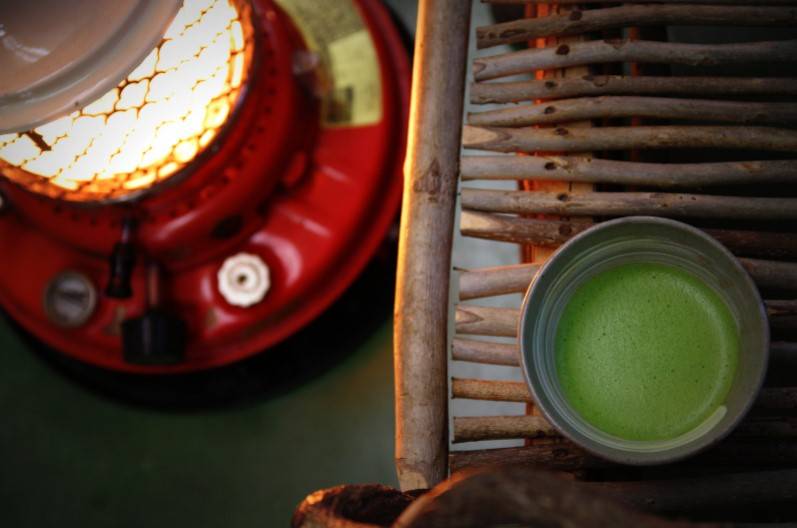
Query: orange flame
{"points": [[164, 114]]}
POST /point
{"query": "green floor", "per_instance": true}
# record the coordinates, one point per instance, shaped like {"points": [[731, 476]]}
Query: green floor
{"points": [[71, 458]]}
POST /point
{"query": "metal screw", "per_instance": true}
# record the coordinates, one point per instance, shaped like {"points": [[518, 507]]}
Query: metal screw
{"points": [[243, 280]]}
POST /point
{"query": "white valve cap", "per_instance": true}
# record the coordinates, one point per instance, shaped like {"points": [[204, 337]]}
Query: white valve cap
{"points": [[244, 280]]}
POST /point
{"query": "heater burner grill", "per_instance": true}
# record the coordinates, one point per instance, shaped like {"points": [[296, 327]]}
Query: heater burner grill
{"points": [[153, 124]]}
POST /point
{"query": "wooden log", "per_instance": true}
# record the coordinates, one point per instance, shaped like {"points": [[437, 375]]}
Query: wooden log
{"points": [[772, 274], [597, 85], [490, 390], [519, 230], [487, 352], [486, 320], [487, 282], [570, 139], [573, 168], [425, 237], [630, 204], [641, 51], [565, 456], [606, 107], [477, 428], [578, 22], [556, 232]]}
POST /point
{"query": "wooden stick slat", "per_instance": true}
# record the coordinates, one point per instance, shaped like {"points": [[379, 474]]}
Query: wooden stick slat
{"points": [[600, 85], [606, 107], [487, 282], [424, 250], [487, 352], [640, 51], [772, 274], [757, 243], [565, 456], [578, 22], [630, 203], [476, 428], [519, 230], [771, 398], [556, 232], [490, 390], [573, 168], [485, 320], [571, 139]]}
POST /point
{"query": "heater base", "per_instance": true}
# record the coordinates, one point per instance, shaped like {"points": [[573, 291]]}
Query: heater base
{"points": [[307, 180]]}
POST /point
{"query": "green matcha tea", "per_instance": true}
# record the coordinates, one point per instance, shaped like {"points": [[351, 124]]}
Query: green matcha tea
{"points": [[646, 351]]}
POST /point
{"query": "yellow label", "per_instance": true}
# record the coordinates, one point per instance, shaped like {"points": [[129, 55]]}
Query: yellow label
{"points": [[336, 31]]}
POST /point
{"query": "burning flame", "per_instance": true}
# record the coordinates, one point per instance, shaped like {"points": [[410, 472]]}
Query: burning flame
{"points": [[164, 114]]}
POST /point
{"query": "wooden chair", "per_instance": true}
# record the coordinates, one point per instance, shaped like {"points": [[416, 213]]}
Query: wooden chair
{"points": [[602, 129]]}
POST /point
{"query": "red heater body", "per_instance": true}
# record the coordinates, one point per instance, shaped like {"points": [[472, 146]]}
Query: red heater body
{"points": [[257, 235]]}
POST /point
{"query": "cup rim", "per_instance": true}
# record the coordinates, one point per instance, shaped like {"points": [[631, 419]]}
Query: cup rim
{"points": [[713, 435]]}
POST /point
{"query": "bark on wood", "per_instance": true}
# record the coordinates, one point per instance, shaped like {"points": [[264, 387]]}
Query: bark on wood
{"points": [[521, 497], [487, 282], [431, 170], [572, 168], [570, 139], [565, 456], [607, 51], [629, 204], [476, 428], [597, 85], [567, 110], [490, 390], [555, 232], [578, 22], [519, 230], [485, 320], [484, 352]]}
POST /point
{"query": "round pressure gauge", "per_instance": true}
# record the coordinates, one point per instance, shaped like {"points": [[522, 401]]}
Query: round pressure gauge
{"points": [[70, 299]]}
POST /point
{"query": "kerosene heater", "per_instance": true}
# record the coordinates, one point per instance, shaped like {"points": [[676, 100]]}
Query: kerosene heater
{"points": [[189, 183]]}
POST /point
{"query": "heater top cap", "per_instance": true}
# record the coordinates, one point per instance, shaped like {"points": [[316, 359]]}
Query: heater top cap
{"points": [[57, 56]]}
